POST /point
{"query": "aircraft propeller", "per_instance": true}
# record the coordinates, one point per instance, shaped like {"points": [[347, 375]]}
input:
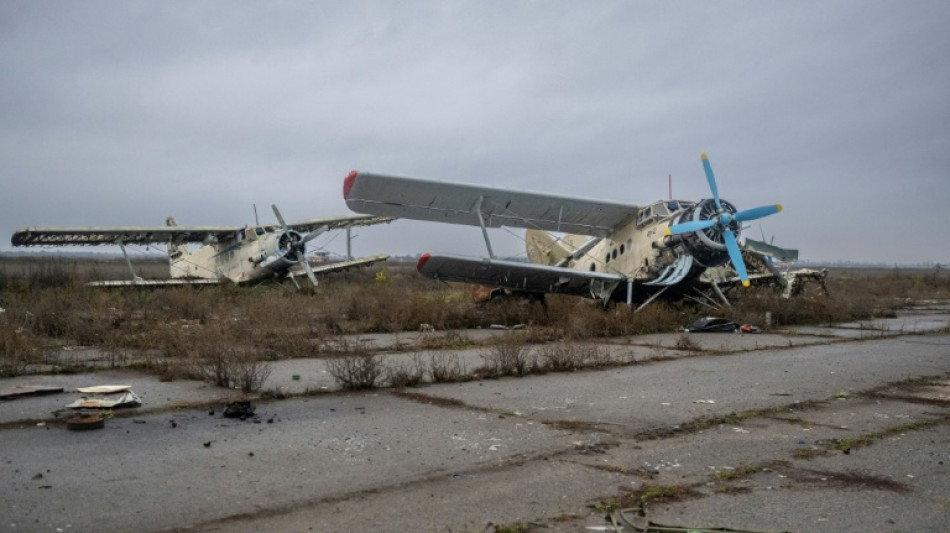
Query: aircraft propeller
{"points": [[724, 220], [298, 247]]}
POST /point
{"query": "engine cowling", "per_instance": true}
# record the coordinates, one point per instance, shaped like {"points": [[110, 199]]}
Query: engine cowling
{"points": [[286, 253], [707, 245]]}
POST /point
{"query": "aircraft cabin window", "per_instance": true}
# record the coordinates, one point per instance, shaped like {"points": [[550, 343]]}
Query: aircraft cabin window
{"points": [[613, 254], [629, 243], [622, 249], [259, 231], [608, 258], [593, 267], [660, 210]]}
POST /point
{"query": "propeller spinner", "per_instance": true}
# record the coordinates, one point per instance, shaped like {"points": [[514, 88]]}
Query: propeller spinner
{"points": [[298, 245], [723, 221]]}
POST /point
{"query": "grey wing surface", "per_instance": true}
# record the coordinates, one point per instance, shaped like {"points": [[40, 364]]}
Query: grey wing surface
{"points": [[528, 277], [338, 222], [458, 203], [61, 236]]}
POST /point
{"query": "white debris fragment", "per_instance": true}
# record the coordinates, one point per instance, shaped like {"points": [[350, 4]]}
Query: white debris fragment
{"points": [[704, 401]]}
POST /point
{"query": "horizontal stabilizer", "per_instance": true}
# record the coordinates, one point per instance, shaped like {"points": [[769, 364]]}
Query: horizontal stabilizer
{"points": [[775, 252]]}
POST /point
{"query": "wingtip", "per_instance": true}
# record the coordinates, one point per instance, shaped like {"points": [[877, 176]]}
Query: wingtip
{"points": [[779, 206], [667, 231], [348, 183], [745, 283], [422, 261], [703, 157]]}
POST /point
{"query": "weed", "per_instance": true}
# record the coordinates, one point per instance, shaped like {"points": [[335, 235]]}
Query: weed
{"points": [[686, 343], [518, 527], [402, 375], [446, 368], [18, 350], [807, 453], [665, 493], [507, 359], [356, 369], [741, 471]]}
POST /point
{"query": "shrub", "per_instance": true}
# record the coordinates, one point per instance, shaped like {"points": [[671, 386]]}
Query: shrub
{"points": [[507, 359], [446, 368], [402, 375]]}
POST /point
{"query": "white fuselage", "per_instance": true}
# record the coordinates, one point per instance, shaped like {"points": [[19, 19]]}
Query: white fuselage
{"points": [[635, 250], [253, 254]]}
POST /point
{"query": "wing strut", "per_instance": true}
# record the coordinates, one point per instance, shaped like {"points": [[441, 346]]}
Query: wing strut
{"points": [[135, 277], [586, 247], [481, 222], [719, 293], [651, 298]]}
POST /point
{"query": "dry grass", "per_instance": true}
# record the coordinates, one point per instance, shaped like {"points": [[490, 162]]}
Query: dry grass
{"points": [[178, 332]]}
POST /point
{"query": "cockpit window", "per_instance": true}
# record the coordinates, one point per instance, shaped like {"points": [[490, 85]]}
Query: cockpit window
{"points": [[259, 230]]}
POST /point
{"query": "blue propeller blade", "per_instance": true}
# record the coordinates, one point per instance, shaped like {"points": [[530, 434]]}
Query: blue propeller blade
{"points": [[736, 257], [757, 212], [712, 181], [689, 227]]}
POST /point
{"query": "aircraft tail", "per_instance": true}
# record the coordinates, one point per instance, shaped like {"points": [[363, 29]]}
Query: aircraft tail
{"points": [[545, 249]]}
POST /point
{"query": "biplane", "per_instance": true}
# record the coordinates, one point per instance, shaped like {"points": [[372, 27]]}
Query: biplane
{"points": [[604, 250], [238, 254]]}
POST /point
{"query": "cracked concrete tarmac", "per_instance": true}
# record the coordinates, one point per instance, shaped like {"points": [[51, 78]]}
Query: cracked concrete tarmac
{"points": [[751, 434]]}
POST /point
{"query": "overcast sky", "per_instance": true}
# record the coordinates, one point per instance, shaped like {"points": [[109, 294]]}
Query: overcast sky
{"points": [[125, 112]]}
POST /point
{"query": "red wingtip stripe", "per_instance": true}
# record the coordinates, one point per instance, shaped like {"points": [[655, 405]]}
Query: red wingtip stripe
{"points": [[348, 183], [422, 261]]}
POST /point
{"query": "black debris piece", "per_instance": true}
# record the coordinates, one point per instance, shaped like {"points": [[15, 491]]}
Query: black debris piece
{"points": [[711, 324], [241, 409]]}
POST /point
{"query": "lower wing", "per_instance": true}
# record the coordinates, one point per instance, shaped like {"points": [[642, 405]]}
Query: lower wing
{"points": [[341, 265], [514, 275]]}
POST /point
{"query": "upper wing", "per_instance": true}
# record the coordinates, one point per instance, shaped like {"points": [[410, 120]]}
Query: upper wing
{"points": [[337, 222], [124, 235], [165, 234], [528, 277], [458, 203]]}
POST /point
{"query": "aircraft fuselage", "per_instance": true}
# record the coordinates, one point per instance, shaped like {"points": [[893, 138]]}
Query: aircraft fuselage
{"points": [[253, 254]]}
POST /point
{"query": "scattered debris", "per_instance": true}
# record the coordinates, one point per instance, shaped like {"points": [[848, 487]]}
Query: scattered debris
{"points": [[128, 399], [105, 389], [426, 328], [502, 326], [634, 518], [18, 391], [748, 328], [704, 401], [240, 409], [711, 324], [86, 421]]}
